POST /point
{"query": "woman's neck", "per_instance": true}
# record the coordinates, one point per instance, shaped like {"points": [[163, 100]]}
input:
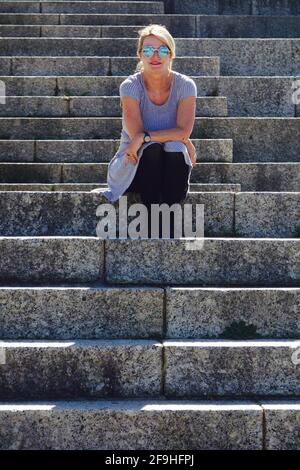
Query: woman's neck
{"points": [[159, 83]]}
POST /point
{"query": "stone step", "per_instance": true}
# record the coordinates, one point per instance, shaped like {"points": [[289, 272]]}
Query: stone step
{"points": [[255, 139], [246, 26], [222, 262], [68, 1], [256, 177], [210, 368], [74, 214], [114, 25], [58, 187], [232, 312], [109, 369], [111, 312], [220, 7], [236, 7], [108, 425], [77, 368], [107, 7], [251, 176], [88, 312], [91, 106], [95, 151], [204, 261], [246, 96], [98, 65], [226, 214], [132, 424], [190, 26], [282, 424], [267, 214], [272, 56], [43, 260]]}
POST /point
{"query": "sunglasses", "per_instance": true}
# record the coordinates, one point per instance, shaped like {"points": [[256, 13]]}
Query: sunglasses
{"points": [[148, 51]]}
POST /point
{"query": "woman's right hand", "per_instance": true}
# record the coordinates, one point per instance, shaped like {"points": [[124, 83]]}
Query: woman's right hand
{"points": [[131, 157], [132, 149], [192, 152]]}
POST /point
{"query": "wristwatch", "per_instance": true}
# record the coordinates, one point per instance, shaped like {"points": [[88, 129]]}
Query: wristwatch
{"points": [[147, 137]]}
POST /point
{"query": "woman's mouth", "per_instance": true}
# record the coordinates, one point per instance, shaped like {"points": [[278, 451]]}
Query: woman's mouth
{"points": [[155, 63]]}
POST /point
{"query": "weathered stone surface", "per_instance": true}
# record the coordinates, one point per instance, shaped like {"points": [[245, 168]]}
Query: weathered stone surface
{"points": [[48, 259], [246, 7], [248, 56], [76, 368], [104, 7], [255, 139], [20, 31], [194, 187], [204, 261], [27, 18], [58, 65], [52, 172], [75, 150], [24, 7], [282, 424], [81, 7], [247, 26], [253, 176], [28, 86], [130, 424], [81, 312], [34, 106], [231, 368], [258, 139], [84, 66], [267, 214], [5, 65], [247, 96], [199, 312], [101, 150], [17, 150], [64, 106]]}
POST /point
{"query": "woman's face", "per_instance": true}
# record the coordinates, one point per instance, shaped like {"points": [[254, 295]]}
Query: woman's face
{"points": [[155, 64]]}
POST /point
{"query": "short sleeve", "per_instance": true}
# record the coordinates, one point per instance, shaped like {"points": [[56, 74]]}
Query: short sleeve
{"points": [[189, 88], [129, 87]]}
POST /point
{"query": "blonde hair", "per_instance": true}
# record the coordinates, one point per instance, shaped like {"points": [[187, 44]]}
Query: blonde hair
{"points": [[161, 33]]}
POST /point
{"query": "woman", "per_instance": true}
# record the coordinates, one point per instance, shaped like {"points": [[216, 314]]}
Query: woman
{"points": [[156, 156]]}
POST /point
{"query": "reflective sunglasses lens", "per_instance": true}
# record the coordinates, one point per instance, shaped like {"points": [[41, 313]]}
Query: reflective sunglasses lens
{"points": [[163, 51], [148, 51]]}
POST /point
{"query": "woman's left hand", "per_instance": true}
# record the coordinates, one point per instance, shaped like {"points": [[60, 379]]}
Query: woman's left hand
{"points": [[132, 149]]}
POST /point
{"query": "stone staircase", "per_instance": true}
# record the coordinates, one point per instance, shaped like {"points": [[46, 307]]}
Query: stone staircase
{"points": [[149, 344]]}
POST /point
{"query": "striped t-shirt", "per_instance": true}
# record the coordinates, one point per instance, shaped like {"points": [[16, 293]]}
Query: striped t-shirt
{"points": [[155, 117]]}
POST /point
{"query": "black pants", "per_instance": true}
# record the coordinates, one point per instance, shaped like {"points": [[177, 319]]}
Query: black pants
{"points": [[161, 177]]}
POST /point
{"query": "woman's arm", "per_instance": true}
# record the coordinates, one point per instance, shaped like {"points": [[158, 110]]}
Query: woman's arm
{"points": [[132, 116], [185, 120], [165, 135]]}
